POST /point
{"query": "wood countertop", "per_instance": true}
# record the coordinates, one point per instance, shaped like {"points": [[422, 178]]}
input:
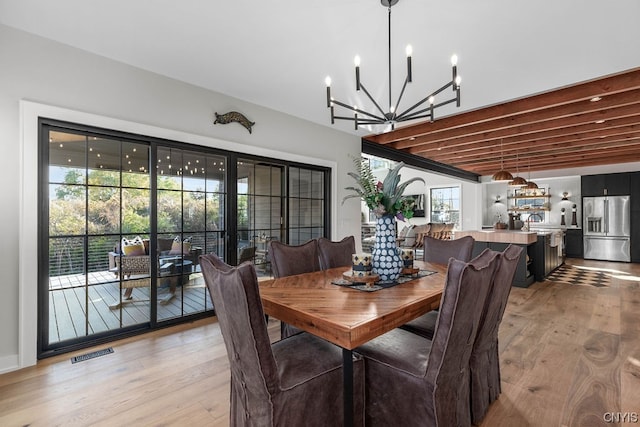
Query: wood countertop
{"points": [[500, 236]]}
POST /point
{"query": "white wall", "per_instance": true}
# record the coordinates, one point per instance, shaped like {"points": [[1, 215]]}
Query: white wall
{"points": [[70, 84], [471, 193]]}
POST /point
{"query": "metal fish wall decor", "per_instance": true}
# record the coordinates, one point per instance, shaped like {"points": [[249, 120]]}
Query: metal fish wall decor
{"points": [[234, 116]]}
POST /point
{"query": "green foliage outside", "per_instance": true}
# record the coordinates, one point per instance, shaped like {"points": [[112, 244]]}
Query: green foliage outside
{"points": [[103, 210]]}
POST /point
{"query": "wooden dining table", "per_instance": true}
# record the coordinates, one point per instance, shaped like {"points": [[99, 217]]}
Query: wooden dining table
{"points": [[346, 316]]}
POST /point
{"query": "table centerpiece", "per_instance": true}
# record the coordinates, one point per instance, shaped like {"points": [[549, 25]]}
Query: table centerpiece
{"points": [[385, 198]]}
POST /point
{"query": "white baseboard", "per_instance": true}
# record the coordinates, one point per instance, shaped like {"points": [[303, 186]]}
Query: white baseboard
{"points": [[9, 363]]}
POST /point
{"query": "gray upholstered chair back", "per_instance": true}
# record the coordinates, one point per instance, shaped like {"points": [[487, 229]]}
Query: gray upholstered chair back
{"points": [[484, 363], [439, 251], [466, 289], [336, 254], [287, 260], [247, 254], [254, 374]]}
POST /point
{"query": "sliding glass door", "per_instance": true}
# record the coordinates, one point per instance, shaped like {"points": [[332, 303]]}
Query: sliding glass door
{"points": [[124, 219]]}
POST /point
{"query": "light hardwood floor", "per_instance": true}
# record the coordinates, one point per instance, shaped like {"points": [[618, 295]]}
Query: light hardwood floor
{"points": [[569, 355]]}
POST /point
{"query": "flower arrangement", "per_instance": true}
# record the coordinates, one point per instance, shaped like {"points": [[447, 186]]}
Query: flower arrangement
{"points": [[383, 198]]}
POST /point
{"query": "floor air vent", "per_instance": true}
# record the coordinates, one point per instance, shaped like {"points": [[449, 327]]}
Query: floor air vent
{"points": [[91, 355]]}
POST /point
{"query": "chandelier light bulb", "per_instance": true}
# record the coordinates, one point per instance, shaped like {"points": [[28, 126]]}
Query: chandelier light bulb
{"points": [[392, 109], [458, 80], [454, 60], [409, 50], [432, 100], [356, 60], [327, 81]]}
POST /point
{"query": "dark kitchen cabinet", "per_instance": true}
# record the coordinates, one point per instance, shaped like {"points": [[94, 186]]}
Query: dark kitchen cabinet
{"points": [[545, 257], [616, 184], [573, 243], [634, 181], [592, 185], [635, 214]]}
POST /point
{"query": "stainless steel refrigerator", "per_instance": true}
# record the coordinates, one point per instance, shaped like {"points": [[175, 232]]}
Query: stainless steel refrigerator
{"points": [[607, 230]]}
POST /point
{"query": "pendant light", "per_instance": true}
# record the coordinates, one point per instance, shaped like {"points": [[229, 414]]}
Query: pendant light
{"points": [[530, 184], [518, 181], [502, 175]]}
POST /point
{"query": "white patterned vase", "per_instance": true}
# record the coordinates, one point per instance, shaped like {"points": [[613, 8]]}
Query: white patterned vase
{"points": [[387, 262]]}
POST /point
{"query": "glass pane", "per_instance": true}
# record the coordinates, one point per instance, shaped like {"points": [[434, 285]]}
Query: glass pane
{"points": [[98, 249], [67, 153], [294, 182], [243, 212], [66, 210], [215, 173], [104, 210], [169, 211], [317, 213], [136, 210], [262, 212], [104, 161], [304, 183], [246, 179], [215, 244], [135, 165], [276, 181], [294, 212], [194, 211], [317, 186], [66, 256], [169, 168], [193, 177], [262, 178], [215, 211], [304, 213], [276, 212]]}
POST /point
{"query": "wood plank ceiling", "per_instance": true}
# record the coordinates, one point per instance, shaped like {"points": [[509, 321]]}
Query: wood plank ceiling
{"points": [[590, 123]]}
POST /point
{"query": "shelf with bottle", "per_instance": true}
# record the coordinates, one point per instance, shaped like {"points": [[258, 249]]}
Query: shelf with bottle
{"points": [[528, 209], [544, 196], [529, 200]]}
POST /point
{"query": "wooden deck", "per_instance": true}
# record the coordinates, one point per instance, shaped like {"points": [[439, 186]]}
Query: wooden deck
{"points": [[70, 299], [78, 309]]}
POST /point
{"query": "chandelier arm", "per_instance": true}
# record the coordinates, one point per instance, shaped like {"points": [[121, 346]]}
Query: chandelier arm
{"points": [[425, 99], [406, 80], [356, 110], [360, 120], [414, 116], [364, 89]]}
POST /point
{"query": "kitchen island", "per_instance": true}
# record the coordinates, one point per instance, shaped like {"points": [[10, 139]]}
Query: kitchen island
{"points": [[540, 251]]}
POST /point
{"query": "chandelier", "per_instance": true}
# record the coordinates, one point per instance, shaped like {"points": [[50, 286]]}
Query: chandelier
{"points": [[392, 116]]}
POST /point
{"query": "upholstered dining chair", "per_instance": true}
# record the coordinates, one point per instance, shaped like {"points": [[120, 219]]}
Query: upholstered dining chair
{"points": [[336, 254], [293, 382], [412, 381], [247, 253], [485, 363], [439, 251], [288, 260]]}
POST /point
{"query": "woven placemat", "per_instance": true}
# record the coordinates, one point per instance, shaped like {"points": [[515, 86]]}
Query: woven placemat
{"points": [[382, 284]]}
